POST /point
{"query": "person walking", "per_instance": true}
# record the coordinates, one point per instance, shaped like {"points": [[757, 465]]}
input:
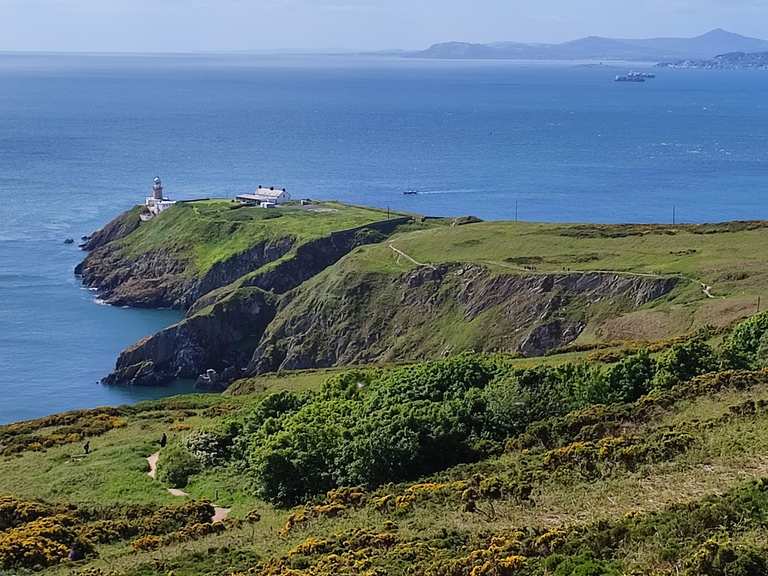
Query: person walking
{"points": [[164, 440]]}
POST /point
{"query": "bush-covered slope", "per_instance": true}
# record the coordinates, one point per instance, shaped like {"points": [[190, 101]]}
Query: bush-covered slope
{"points": [[467, 466]]}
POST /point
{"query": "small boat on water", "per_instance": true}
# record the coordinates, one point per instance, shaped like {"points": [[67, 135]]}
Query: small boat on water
{"points": [[410, 193]]}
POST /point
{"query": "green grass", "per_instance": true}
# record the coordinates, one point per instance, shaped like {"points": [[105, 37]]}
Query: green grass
{"points": [[291, 381], [212, 231], [731, 260]]}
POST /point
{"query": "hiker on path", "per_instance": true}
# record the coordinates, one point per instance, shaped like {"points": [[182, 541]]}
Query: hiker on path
{"points": [[87, 447], [164, 440]]}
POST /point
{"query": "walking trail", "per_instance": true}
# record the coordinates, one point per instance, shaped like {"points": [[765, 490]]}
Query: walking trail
{"points": [[219, 513]]}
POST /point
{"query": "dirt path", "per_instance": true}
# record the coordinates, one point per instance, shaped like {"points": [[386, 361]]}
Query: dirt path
{"points": [[152, 461], [219, 512], [404, 255]]}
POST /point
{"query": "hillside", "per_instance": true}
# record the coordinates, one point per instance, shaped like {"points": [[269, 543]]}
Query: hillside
{"points": [[519, 288], [637, 461], [396, 291], [196, 247], [598, 48]]}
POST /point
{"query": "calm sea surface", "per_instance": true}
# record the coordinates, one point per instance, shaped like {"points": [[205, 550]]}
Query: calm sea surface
{"points": [[81, 138]]}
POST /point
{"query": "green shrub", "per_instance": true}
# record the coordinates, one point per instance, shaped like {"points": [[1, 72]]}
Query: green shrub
{"points": [[745, 348], [175, 466], [723, 559], [583, 565], [207, 448], [683, 362]]}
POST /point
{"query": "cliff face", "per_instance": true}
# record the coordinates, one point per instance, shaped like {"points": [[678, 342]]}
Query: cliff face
{"points": [[223, 326], [213, 339], [358, 318], [162, 278]]}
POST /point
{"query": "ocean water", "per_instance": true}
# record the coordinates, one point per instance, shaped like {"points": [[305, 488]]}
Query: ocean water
{"points": [[82, 136]]}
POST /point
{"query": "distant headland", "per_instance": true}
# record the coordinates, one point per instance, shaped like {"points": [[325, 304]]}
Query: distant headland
{"points": [[730, 61], [705, 46]]}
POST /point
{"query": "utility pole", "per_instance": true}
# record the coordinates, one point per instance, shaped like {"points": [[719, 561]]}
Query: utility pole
{"points": [[515, 210], [674, 214]]}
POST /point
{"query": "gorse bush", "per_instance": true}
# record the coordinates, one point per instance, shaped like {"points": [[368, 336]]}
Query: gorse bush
{"points": [[724, 559], [373, 427], [175, 465], [36, 534]]}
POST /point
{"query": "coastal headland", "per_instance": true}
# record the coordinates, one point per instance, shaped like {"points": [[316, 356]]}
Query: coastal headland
{"points": [[411, 396], [326, 285]]}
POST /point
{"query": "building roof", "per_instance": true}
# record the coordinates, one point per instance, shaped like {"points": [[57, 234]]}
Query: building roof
{"points": [[265, 194]]}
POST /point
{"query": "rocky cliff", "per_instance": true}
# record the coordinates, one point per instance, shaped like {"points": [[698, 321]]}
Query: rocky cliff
{"points": [[357, 318], [161, 278], [216, 338], [228, 307], [294, 301]]}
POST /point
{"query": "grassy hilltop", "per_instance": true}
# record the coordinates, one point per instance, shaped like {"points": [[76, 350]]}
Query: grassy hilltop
{"points": [[633, 461], [184, 253], [209, 232]]}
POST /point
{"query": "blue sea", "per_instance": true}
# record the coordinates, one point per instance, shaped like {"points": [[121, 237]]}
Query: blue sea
{"points": [[81, 138]]}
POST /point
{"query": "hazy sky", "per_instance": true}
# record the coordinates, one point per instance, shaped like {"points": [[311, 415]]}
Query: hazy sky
{"points": [[189, 25]]}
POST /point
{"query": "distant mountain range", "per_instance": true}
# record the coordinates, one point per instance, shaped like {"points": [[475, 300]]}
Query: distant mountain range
{"points": [[705, 46]]}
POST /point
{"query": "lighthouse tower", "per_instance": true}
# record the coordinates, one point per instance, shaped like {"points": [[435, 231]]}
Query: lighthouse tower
{"points": [[156, 203], [157, 189]]}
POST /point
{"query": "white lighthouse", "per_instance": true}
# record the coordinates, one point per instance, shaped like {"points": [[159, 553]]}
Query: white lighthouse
{"points": [[156, 203], [157, 189]]}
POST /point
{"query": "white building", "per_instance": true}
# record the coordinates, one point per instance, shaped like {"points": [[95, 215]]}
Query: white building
{"points": [[265, 197], [156, 203]]}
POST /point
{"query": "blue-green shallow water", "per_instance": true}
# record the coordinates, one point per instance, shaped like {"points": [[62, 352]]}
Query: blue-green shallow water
{"points": [[81, 137]]}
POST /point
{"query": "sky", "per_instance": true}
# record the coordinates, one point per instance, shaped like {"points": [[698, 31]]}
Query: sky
{"points": [[338, 25]]}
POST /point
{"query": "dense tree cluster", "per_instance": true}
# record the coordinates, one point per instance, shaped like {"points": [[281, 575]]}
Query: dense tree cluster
{"points": [[377, 426]]}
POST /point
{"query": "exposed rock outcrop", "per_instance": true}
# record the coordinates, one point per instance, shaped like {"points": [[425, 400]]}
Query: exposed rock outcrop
{"points": [[163, 278], [223, 327], [359, 318], [216, 338]]}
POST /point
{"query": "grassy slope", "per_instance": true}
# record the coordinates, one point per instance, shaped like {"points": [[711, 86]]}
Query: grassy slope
{"points": [[212, 231], [730, 258]]}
